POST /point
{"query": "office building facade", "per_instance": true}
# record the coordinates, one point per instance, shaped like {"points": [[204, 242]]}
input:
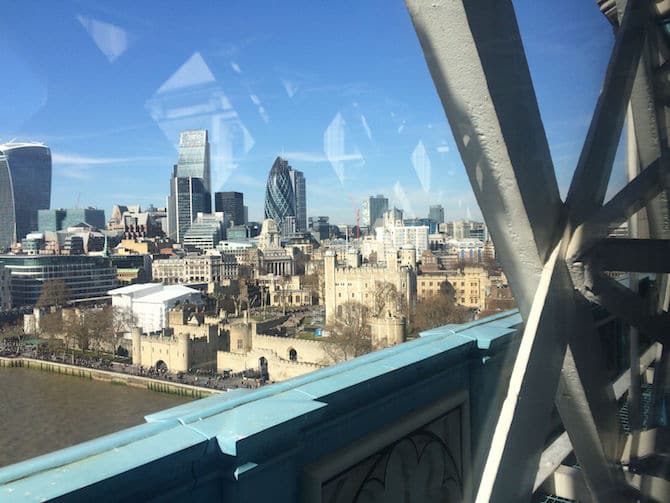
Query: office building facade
{"points": [[300, 192], [206, 231], [194, 161], [86, 276], [5, 288], [373, 208], [60, 219], [190, 189], [436, 213], [25, 187], [231, 203]]}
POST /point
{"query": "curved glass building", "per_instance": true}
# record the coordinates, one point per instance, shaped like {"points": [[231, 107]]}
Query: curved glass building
{"points": [[279, 195], [25, 187]]}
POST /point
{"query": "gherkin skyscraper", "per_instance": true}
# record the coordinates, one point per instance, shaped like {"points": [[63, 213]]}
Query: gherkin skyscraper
{"points": [[279, 193]]}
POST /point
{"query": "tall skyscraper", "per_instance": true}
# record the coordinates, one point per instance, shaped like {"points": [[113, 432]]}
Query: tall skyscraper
{"points": [[298, 182], [436, 213], [373, 208], [25, 187], [190, 189], [279, 196], [231, 203], [194, 160]]}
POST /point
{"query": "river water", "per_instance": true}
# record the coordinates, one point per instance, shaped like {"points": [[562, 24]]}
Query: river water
{"points": [[42, 411]]}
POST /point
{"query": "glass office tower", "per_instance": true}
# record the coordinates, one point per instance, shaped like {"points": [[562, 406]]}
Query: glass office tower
{"points": [[373, 208], [298, 182], [187, 199], [436, 213], [279, 195], [194, 161], [190, 189], [231, 203], [25, 187]]}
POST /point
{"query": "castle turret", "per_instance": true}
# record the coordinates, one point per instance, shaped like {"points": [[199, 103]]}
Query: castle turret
{"points": [[408, 256], [329, 285], [183, 352], [240, 338], [387, 331], [136, 334]]}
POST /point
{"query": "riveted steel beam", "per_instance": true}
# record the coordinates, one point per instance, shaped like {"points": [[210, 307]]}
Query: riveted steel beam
{"points": [[477, 62], [631, 255], [589, 183]]}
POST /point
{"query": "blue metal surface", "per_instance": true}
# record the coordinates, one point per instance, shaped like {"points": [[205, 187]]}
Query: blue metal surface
{"points": [[243, 445]]}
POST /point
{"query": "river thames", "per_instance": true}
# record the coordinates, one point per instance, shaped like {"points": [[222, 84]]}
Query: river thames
{"points": [[41, 411]]}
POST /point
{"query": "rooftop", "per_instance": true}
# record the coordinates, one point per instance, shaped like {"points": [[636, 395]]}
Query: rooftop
{"points": [[168, 293]]}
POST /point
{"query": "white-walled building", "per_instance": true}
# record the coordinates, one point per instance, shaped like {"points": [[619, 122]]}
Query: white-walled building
{"points": [[398, 237], [470, 249], [149, 303]]}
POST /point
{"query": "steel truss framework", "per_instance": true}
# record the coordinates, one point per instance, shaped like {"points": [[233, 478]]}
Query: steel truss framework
{"points": [[555, 253]]}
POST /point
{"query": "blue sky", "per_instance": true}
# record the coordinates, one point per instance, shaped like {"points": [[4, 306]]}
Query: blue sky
{"points": [[340, 89]]}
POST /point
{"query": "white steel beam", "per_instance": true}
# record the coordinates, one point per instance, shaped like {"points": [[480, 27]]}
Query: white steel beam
{"points": [[516, 446], [478, 65], [589, 183], [626, 203], [477, 62]]}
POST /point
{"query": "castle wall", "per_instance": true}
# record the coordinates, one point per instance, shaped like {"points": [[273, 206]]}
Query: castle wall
{"points": [[202, 353], [278, 368], [168, 349], [307, 350]]}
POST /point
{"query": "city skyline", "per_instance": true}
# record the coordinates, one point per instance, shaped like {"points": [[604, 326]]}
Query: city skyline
{"points": [[358, 115]]}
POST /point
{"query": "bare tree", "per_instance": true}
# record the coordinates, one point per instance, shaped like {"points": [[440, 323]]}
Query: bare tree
{"points": [[311, 283], [54, 293], [106, 324], [80, 328], [349, 334], [437, 310], [387, 298], [51, 327], [123, 319]]}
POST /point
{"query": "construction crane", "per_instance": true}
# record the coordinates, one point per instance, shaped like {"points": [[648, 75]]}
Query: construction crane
{"points": [[357, 214]]}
